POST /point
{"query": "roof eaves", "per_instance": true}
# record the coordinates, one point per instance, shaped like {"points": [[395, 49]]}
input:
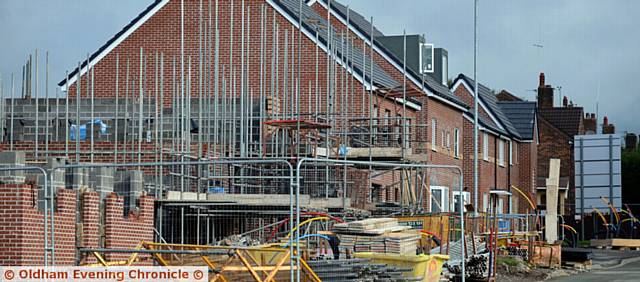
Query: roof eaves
{"points": [[113, 39], [496, 112]]}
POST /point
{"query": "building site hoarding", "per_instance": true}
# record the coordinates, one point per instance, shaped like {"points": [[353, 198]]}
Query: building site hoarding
{"points": [[597, 172]]}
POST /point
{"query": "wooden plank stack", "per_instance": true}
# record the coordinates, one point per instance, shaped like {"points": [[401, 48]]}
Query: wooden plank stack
{"points": [[378, 235]]}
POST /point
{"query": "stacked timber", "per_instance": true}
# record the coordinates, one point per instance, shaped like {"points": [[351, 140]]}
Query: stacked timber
{"points": [[401, 243], [378, 235]]}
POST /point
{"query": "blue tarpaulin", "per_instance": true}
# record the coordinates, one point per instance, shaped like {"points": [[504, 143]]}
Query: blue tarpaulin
{"points": [[83, 132], [83, 129]]}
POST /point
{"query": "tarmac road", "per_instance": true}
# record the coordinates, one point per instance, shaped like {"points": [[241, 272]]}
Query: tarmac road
{"points": [[626, 272]]}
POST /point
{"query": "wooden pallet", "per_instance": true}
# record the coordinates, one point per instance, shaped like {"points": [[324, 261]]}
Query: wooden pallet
{"points": [[633, 244]]}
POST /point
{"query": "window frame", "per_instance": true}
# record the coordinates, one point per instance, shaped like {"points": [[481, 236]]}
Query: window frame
{"points": [[456, 142], [466, 197], [485, 202], [485, 146], [444, 197], [434, 134], [420, 56], [501, 152], [510, 152]]}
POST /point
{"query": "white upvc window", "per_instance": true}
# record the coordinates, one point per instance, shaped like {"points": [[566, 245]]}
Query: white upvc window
{"points": [[426, 58], [466, 196], [501, 152], [439, 200], [500, 207], [456, 142], [511, 152], [485, 146], [485, 202], [434, 130]]}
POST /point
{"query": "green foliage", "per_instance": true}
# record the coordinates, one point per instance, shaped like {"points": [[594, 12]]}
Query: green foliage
{"points": [[508, 261], [631, 179]]}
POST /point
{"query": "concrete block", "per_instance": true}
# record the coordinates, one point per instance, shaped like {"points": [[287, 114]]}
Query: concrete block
{"points": [[12, 159], [77, 178], [102, 180]]}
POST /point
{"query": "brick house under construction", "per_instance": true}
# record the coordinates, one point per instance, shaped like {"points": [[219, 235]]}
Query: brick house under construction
{"points": [[252, 68], [243, 80]]}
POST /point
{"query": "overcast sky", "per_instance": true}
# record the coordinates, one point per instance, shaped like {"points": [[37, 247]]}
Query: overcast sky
{"points": [[588, 44]]}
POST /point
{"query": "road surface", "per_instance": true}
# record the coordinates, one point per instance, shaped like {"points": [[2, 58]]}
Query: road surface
{"points": [[627, 272]]}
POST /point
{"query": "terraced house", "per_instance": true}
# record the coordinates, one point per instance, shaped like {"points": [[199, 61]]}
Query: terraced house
{"points": [[507, 148]]}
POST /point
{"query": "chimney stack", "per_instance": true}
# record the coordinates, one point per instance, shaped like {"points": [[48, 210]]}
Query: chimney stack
{"points": [[590, 124], [565, 101], [545, 94], [608, 128]]}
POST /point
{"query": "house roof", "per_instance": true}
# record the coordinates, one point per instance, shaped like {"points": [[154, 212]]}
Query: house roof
{"points": [[505, 95], [522, 115], [363, 26], [355, 18], [491, 102], [482, 121], [566, 119], [126, 29], [313, 22]]}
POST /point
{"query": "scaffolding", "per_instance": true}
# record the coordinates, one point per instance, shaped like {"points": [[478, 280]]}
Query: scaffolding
{"points": [[217, 140]]}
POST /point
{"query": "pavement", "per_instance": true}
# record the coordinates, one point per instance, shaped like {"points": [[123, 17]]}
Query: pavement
{"points": [[608, 265]]}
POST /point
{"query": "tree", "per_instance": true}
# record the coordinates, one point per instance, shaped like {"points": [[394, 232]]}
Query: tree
{"points": [[631, 180]]}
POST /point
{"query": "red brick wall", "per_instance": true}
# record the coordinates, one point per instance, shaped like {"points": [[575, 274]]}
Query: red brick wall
{"points": [[22, 225], [528, 161], [161, 33], [127, 232], [446, 115], [522, 171], [90, 215], [467, 97], [555, 144]]}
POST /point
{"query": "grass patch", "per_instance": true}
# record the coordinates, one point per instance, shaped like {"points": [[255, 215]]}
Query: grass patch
{"points": [[508, 261]]}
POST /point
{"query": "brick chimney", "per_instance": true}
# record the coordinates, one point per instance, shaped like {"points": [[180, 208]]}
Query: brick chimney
{"points": [[590, 123], [608, 128], [545, 94]]}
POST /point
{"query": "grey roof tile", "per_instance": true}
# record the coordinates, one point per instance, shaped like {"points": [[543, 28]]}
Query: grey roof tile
{"points": [[490, 100], [364, 26], [522, 115], [567, 119], [316, 23]]}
